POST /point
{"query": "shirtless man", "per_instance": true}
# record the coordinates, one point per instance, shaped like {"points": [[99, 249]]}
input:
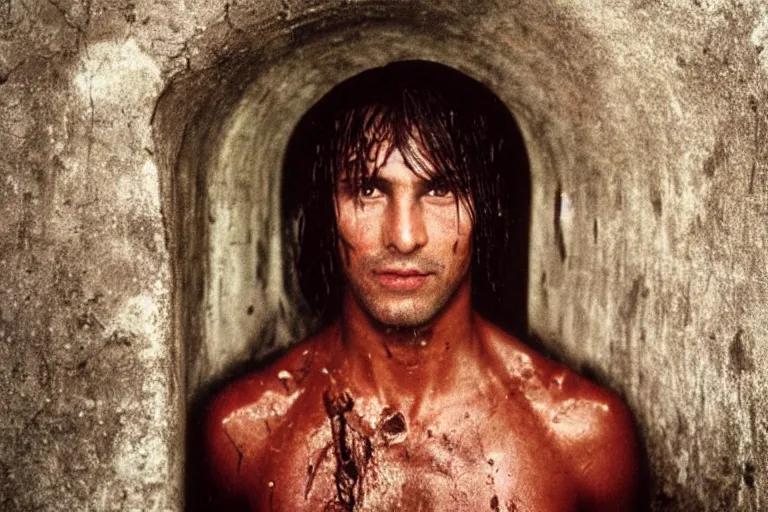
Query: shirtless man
{"points": [[407, 399]]}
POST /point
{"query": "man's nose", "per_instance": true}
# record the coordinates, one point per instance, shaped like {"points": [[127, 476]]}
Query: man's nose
{"points": [[405, 230]]}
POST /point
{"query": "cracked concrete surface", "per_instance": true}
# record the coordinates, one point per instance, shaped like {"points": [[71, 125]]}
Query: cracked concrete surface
{"points": [[140, 260]]}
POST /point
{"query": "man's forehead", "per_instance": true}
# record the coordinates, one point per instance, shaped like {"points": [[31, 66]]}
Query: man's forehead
{"points": [[388, 166]]}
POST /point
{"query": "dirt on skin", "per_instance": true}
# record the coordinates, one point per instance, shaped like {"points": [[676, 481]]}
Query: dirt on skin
{"points": [[353, 447], [352, 450]]}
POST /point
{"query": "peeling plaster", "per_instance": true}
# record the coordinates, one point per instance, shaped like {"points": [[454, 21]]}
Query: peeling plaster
{"points": [[117, 73]]}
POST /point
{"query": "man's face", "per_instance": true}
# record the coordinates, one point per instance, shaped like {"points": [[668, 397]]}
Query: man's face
{"points": [[405, 244]]}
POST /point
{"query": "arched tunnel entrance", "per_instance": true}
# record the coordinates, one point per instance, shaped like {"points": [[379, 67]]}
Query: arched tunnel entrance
{"points": [[237, 121], [234, 301]]}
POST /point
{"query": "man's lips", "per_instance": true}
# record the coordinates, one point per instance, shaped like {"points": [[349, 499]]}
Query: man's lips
{"points": [[401, 279]]}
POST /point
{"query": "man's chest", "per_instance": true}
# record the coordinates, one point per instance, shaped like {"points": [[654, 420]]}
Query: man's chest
{"points": [[457, 463]]}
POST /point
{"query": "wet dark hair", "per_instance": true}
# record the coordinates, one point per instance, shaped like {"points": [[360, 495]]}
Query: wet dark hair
{"points": [[448, 127]]}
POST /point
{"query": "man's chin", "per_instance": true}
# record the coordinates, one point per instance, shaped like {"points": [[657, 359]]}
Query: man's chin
{"points": [[402, 317]]}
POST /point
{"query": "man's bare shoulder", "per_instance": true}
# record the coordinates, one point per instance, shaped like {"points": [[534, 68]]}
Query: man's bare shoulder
{"points": [[241, 418], [517, 363], [597, 435], [279, 377], [591, 426]]}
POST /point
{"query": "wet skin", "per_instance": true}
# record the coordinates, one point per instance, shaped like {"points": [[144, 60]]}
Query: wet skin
{"points": [[411, 401]]}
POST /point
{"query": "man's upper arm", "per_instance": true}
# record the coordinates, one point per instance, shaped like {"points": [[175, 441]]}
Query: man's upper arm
{"points": [[232, 440], [223, 458], [607, 458]]}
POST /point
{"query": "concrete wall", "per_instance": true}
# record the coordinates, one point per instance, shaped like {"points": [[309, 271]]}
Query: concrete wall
{"points": [[139, 249]]}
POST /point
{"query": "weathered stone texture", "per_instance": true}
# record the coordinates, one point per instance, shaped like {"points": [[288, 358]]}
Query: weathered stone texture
{"points": [[88, 415], [140, 249]]}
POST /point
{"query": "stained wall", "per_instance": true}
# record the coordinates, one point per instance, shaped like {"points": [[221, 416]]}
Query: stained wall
{"points": [[138, 248]]}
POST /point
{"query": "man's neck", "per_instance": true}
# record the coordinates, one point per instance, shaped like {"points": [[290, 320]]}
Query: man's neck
{"points": [[405, 367]]}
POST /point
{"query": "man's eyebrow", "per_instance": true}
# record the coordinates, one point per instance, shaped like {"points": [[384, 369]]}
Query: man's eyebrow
{"points": [[377, 181], [437, 182], [355, 183]]}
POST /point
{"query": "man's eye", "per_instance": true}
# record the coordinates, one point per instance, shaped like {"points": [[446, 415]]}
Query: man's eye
{"points": [[367, 191], [439, 191]]}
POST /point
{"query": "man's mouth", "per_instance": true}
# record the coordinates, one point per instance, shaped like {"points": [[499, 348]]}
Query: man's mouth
{"points": [[402, 280]]}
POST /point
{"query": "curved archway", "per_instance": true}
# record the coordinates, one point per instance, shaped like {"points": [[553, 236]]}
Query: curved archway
{"points": [[233, 306], [232, 303]]}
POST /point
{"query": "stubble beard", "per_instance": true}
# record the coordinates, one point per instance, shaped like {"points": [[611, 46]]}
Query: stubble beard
{"points": [[403, 310]]}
